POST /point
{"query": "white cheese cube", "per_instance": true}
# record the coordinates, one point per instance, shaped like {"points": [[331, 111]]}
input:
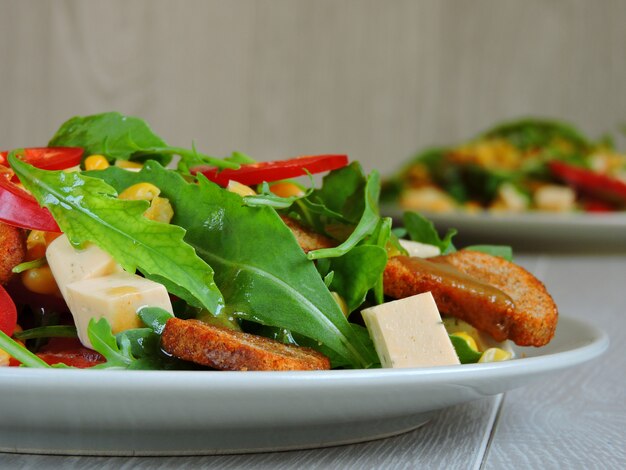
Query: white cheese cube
{"points": [[117, 298], [420, 250], [555, 198], [69, 265], [409, 333]]}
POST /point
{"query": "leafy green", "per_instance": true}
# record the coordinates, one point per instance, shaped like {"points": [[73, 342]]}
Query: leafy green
{"points": [[20, 353], [368, 222], [53, 331], [103, 341], [530, 132], [154, 318], [422, 230], [356, 272], [124, 137], [26, 265], [259, 266], [267, 198], [466, 354], [87, 210]]}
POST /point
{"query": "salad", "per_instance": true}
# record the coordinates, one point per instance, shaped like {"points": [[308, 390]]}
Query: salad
{"points": [[527, 165], [114, 256]]}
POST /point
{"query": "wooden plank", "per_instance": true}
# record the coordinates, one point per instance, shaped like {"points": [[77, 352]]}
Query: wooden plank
{"points": [[455, 438], [577, 419], [377, 80]]}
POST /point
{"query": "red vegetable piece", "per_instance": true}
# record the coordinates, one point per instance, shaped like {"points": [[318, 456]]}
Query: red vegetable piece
{"points": [[49, 158], [598, 185], [20, 209], [68, 351], [256, 173], [8, 313]]}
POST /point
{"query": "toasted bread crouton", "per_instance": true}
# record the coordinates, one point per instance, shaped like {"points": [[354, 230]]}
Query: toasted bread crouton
{"points": [[224, 349], [492, 294], [12, 250], [307, 239], [456, 294], [534, 319]]}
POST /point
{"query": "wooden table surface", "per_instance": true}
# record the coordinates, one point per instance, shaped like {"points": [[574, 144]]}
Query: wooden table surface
{"points": [[577, 419]]}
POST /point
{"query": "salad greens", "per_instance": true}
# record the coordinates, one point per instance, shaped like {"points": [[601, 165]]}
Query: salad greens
{"points": [[229, 259], [128, 138], [87, 210], [260, 269]]}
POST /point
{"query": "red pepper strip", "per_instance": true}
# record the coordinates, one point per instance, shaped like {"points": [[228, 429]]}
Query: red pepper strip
{"points": [[594, 205], [48, 158], [256, 173], [600, 186], [20, 209], [8, 313], [66, 351]]}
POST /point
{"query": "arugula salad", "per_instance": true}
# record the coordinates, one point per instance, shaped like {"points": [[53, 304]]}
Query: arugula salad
{"points": [[216, 237], [527, 165]]}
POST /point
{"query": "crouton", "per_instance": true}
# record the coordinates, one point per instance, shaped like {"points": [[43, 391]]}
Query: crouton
{"points": [[534, 319], [492, 294], [308, 239], [224, 349], [12, 250]]}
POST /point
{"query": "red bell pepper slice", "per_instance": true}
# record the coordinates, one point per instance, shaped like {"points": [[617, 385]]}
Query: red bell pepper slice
{"points": [[8, 313], [256, 173], [68, 351], [48, 158], [20, 209], [598, 185]]}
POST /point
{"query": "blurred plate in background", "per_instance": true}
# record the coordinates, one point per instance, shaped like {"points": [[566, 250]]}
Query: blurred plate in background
{"points": [[536, 231]]}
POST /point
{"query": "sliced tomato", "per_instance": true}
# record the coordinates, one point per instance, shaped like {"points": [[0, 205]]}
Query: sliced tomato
{"points": [[68, 351], [20, 209], [256, 173], [48, 158], [8, 313], [598, 185]]}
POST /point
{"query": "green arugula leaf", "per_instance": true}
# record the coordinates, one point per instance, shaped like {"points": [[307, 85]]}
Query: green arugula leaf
{"points": [[104, 342], [356, 272], [259, 266], [52, 331], [27, 358], [154, 318], [422, 230], [124, 137], [268, 198], [366, 226], [87, 210]]}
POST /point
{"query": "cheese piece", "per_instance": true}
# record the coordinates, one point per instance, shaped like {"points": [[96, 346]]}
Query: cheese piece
{"points": [[116, 297], [409, 333], [69, 264], [420, 250]]}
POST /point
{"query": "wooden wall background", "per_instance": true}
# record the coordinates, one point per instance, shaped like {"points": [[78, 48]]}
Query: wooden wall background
{"points": [[274, 78]]}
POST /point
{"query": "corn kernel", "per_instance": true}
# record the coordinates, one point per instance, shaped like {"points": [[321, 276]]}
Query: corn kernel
{"points": [[241, 189], [341, 302], [495, 355], [40, 280], [286, 189], [140, 192], [4, 358], [160, 210], [96, 162], [127, 164]]}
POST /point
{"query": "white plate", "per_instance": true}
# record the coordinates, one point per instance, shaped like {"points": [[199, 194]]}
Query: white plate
{"points": [[535, 230], [181, 412]]}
